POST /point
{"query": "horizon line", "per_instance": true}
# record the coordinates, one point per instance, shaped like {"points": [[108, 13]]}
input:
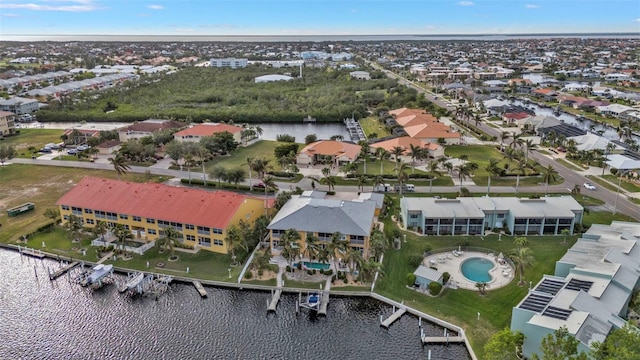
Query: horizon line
{"points": [[347, 34]]}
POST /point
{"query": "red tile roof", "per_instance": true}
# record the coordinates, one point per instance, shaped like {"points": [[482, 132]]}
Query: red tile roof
{"points": [[207, 129], [155, 201]]}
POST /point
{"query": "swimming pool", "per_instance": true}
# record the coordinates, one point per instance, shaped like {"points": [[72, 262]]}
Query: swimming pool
{"points": [[477, 269], [313, 265]]}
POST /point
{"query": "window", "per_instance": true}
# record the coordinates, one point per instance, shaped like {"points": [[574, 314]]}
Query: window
{"points": [[189, 227], [414, 216], [151, 221], [76, 211], [90, 221], [176, 226], [65, 207], [276, 234], [217, 242], [204, 241], [191, 238], [217, 231], [101, 214], [112, 216], [162, 223], [88, 211], [204, 230], [124, 216], [137, 219], [151, 231]]}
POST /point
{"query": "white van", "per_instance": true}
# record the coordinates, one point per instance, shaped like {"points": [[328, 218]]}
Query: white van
{"points": [[410, 188]]}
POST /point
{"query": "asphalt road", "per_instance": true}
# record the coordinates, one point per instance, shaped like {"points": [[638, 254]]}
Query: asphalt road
{"points": [[623, 206]]}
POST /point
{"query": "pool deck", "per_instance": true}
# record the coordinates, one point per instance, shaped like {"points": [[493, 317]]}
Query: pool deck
{"points": [[501, 274]]}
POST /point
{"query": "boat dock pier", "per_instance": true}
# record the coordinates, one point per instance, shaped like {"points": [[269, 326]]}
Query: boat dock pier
{"points": [[133, 282], [391, 319], [446, 339], [31, 252], [275, 295], [200, 288], [56, 274], [324, 299]]}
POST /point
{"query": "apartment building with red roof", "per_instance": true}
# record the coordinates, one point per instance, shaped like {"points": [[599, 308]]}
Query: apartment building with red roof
{"points": [[202, 217], [197, 132], [421, 125], [336, 152]]}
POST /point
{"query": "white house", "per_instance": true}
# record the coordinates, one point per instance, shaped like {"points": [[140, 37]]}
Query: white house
{"points": [[19, 105]]}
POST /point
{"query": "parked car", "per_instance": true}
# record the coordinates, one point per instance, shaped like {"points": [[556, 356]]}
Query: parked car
{"points": [[589, 186], [83, 147], [259, 185], [45, 151], [72, 151]]}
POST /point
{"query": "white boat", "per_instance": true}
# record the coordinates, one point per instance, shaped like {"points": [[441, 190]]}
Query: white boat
{"points": [[98, 273], [313, 300]]}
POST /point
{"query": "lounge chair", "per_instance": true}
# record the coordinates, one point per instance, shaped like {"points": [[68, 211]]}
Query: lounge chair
{"points": [[455, 253]]}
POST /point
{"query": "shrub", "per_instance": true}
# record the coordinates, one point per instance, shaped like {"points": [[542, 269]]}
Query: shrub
{"points": [[427, 247], [310, 272], [285, 138], [445, 277], [411, 279], [288, 268], [328, 272], [415, 260], [314, 271], [248, 275], [260, 272], [299, 266], [435, 288]]}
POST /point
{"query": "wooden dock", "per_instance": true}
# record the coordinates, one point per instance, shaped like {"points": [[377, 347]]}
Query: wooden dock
{"points": [[391, 319], [442, 339], [56, 274], [200, 289], [274, 300], [32, 253], [324, 299]]}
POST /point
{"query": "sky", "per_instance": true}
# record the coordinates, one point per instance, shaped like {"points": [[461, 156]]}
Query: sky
{"points": [[315, 17]]}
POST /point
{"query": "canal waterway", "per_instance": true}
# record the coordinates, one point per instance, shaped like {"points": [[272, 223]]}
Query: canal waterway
{"points": [[40, 319], [269, 131]]}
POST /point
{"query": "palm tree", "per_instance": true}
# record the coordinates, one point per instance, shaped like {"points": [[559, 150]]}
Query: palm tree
{"points": [[529, 146], [362, 181], [378, 244], [188, 163], [324, 254], [233, 240], [258, 130], [522, 258], [482, 286], [122, 235], [171, 235], [313, 246], [100, 229], [433, 170], [353, 257], [291, 246], [549, 174], [381, 154], [491, 169], [397, 151], [463, 172], [402, 176], [414, 152], [119, 165], [74, 225], [364, 153], [519, 170], [576, 189], [268, 183], [378, 180], [250, 165], [337, 246], [504, 136]]}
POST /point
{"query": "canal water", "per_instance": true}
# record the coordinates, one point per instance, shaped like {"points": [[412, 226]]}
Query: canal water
{"points": [[269, 131], [40, 319]]}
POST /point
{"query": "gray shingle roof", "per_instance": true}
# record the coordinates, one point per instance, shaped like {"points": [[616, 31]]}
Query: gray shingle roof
{"points": [[325, 215]]}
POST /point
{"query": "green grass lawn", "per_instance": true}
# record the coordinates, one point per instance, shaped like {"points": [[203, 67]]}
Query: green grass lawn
{"points": [[570, 164], [42, 185], [625, 184], [371, 125], [238, 159], [603, 217], [35, 138]]}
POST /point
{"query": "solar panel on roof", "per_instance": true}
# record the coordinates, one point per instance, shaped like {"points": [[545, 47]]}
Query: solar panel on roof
{"points": [[550, 286], [535, 302], [557, 313], [577, 285]]}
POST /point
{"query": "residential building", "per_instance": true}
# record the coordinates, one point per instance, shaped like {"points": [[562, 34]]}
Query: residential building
{"points": [[19, 105], [614, 110], [360, 75], [7, 122], [320, 217], [232, 63], [472, 215], [202, 217], [196, 132], [147, 127], [272, 78], [432, 150], [336, 153], [590, 290], [421, 125]]}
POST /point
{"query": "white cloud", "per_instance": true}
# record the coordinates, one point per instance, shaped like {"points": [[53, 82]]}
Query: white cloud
{"points": [[636, 20], [10, 15], [532, 6], [155, 7], [55, 5], [185, 30], [466, 3]]}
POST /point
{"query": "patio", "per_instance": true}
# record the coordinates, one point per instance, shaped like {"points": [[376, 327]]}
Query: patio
{"points": [[501, 274]]}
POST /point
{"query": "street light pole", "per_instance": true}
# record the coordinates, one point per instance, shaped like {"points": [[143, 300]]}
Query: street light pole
{"points": [[615, 204]]}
